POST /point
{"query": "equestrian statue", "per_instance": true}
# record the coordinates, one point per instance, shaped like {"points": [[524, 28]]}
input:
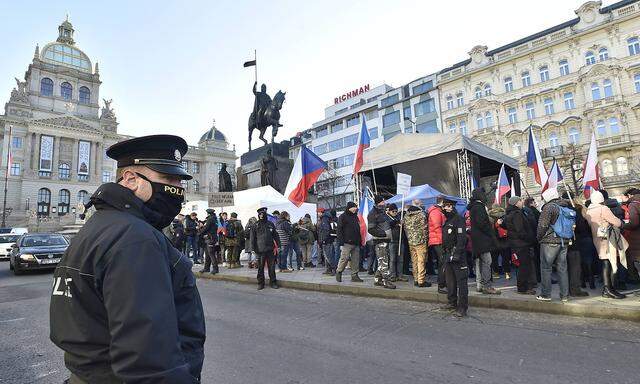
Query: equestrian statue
{"points": [[267, 112]]}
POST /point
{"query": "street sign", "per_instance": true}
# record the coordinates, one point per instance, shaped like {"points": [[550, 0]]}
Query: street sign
{"points": [[221, 199], [404, 183]]}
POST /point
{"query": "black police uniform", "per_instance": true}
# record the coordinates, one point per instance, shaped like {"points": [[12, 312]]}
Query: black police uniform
{"points": [[124, 306], [454, 240], [210, 232]]}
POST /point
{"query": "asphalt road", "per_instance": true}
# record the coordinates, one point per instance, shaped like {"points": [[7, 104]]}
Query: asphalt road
{"points": [[290, 337]]}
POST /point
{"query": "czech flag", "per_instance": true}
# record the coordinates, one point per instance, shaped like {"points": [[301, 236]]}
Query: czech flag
{"points": [[306, 170], [503, 185], [366, 205], [590, 171], [534, 160], [555, 177], [364, 141]]}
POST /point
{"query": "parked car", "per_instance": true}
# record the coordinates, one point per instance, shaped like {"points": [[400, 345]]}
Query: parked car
{"points": [[6, 241], [35, 251]]}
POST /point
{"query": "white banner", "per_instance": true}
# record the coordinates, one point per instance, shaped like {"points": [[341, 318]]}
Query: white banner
{"points": [[404, 183], [46, 153], [84, 154]]}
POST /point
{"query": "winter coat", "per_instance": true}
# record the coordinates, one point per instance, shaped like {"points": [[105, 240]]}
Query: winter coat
{"points": [[394, 224], [378, 225], [414, 226], [327, 228], [596, 215], [307, 232], [238, 240], [532, 215], [190, 226], [248, 229], [348, 230], [264, 236], [549, 215], [436, 221], [210, 229], [454, 238], [615, 207], [632, 228], [483, 235], [519, 232], [283, 227]]}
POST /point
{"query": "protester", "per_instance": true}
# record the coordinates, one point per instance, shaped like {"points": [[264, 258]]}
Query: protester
{"points": [[295, 248], [553, 248], [483, 240], [396, 259], [234, 239], [632, 233], [584, 239], [502, 255], [521, 238], [306, 239], [191, 233], [349, 238], [210, 232], [378, 227], [454, 239], [327, 236], [222, 231], [264, 238], [606, 237], [436, 220], [574, 259], [531, 212], [176, 233], [283, 227], [248, 247], [414, 225]]}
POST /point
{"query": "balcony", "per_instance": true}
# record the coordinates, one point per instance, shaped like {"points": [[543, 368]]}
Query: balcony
{"points": [[614, 141], [485, 131], [630, 179], [556, 151], [603, 102]]}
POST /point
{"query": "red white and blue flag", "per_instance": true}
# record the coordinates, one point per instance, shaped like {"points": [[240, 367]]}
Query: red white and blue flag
{"points": [[306, 170], [366, 205], [555, 177], [534, 160], [590, 171], [364, 141], [502, 188]]}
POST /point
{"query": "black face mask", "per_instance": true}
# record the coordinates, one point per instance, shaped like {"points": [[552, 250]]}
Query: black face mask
{"points": [[165, 203]]}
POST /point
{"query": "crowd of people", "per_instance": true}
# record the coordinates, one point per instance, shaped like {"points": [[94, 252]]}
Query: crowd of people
{"points": [[568, 241]]}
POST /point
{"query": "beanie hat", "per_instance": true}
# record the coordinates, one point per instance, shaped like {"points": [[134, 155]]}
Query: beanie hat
{"points": [[350, 205], [378, 199], [513, 200], [392, 207]]}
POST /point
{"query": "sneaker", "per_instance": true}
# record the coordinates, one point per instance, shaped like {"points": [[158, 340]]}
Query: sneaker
{"points": [[225, 264], [564, 299], [507, 276], [402, 278], [424, 285], [442, 290], [289, 269], [388, 285], [301, 269], [356, 279], [543, 298], [495, 276], [491, 291], [378, 283]]}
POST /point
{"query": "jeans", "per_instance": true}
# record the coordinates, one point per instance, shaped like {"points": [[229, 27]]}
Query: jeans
{"points": [[283, 253], [329, 255], [192, 245], [295, 248], [550, 253], [350, 253], [483, 271], [395, 260]]}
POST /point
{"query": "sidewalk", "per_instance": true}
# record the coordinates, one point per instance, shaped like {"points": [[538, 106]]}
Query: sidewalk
{"points": [[312, 279]]}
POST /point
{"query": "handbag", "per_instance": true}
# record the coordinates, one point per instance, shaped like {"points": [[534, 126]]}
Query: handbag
{"points": [[603, 228]]}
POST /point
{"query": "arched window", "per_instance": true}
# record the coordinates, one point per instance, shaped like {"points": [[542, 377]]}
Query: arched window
{"points": [[589, 58], [607, 168], [449, 102], [64, 171], [196, 186], [544, 73], [460, 99], [526, 79], [564, 67], [621, 166], [595, 91], [603, 54], [66, 91], [64, 200], [478, 92], [487, 89], [574, 135], [479, 122], [508, 84], [600, 128], [553, 140], [614, 128], [608, 89], [488, 119], [83, 197], [84, 95], [634, 46], [46, 87], [516, 149], [44, 202]]}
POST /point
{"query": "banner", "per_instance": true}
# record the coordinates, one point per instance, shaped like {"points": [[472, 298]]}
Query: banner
{"points": [[46, 153], [84, 154], [221, 199]]}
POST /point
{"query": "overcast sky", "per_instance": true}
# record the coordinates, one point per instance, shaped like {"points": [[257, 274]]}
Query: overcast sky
{"points": [[174, 67]]}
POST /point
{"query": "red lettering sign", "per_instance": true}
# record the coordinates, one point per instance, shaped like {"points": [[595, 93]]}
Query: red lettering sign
{"points": [[352, 93]]}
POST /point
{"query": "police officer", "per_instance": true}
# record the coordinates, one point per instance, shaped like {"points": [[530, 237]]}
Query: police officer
{"points": [[210, 232], [124, 306], [456, 272], [264, 239]]}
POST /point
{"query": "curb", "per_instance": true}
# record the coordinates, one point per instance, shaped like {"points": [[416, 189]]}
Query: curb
{"points": [[496, 302]]}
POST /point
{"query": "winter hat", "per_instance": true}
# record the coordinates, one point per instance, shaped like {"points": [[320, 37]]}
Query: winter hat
{"points": [[550, 194], [350, 205], [413, 208], [513, 200], [378, 199], [597, 197], [392, 207]]}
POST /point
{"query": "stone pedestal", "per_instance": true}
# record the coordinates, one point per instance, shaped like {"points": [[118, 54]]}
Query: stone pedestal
{"points": [[248, 174]]}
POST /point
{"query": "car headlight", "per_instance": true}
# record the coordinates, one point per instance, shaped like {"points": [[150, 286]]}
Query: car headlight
{"points": [[27, 257]]}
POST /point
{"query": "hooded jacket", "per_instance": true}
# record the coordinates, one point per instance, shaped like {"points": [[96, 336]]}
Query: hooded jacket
{"points": [[327, 231], [483, 237], [378, 225], [348, 231], [548, 216], [436, 222], [307, 230], [519, 231]]}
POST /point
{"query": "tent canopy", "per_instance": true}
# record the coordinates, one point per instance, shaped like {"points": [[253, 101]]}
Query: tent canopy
{"points": [[427, 194], [408, 147]]}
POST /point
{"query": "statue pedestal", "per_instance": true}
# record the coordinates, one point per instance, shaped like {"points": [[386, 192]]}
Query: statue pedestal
{"points": [[248, 174]]}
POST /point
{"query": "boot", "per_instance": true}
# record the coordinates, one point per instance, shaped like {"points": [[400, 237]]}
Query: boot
{"points": [[260, 287], [356, 279], [460, 313], [607, 279], [611, 294], [426, 284], [274, 285], [388, 285], [339, 277], [402, 278], [204, 270], [378, 283]]}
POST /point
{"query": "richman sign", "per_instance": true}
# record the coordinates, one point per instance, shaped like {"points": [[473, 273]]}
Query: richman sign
{"points": [[350, 94]]}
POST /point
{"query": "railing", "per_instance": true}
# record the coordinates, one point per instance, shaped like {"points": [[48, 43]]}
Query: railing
{"points": [[558, 150], [613, 140]]}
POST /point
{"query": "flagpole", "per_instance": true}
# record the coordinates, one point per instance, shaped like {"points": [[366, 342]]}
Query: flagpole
{"points": [[524, 186], [6, 180], [373, 172]]}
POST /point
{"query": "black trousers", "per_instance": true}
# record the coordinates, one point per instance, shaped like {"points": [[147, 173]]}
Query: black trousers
{"points": [[574, 262], [457, 275], [506, 260], [437, 253], [269, 259], [526, 270], [210, 259]]}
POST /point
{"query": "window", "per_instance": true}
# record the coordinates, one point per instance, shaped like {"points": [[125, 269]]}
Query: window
{"points": [[64, 171], [406, 112], [564, 67], [348, 160], [337, 127], [320, 149], [460, 99], [449, 102], [479, 122], [106, 176], [424, 107], [478, 92], [428, 127], [568, 101], [452, 127], [66, 91], [574, 135], [390, 119], [526, 79], [603, 54], [463, 127], [351, 140], [84, 95], [185, 185], [353, 121], [595, 91], [83, 197], [608, 89], [548, 106], [621, 166], [373, 133], [636, 80], [516, 149], [601, 128], [196, 186], [15, 169], [634, 46], [44, 201], [513, 117], [335, 145], [16, 142], [607, 168], [544, 73], [508, 84], [531, 112], [487, 89], [589, 58], [387, 101], [64, 200], [614, 128], [46, 87], [422, 87], [195, 167], [553, 140], [322, 132], [185, 164], [488, 119]]}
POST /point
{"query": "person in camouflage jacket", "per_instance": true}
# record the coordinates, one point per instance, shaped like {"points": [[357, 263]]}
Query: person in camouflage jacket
{"points": [[415, 222]]}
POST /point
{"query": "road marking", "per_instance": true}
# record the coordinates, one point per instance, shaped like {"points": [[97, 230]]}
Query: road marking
{"points": [[11, 320]]}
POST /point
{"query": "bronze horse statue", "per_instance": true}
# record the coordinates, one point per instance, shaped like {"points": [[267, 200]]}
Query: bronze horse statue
{"points": [[269, 118]]}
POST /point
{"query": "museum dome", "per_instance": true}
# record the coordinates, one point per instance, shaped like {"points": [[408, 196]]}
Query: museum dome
{"points": [[213, 134], [63, 51]]}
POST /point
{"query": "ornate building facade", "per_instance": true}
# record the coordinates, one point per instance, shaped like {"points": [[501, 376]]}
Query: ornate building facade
{"points": [[57, 136], [568, 81]]}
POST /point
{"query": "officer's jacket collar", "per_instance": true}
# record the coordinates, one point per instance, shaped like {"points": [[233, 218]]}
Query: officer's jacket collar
{"points": [[115, 196]]}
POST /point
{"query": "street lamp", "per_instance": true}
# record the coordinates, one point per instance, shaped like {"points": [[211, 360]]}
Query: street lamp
{"points": [[413, 123]]}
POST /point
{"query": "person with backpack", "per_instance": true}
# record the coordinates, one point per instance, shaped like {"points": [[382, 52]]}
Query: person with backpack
{"points": [[233, 240], [284, 229], [555, 232], [306, 238]]}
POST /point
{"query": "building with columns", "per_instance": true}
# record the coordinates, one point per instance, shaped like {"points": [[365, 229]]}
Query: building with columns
{"points": [[565, 82], [58, 135]]}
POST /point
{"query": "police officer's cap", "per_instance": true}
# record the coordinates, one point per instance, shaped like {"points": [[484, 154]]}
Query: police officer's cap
{"points": [[161, 153], [263, 209], [211, 211]]}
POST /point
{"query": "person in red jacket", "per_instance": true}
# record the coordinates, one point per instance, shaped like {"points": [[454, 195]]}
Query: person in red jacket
{"points": [[436, 221]]}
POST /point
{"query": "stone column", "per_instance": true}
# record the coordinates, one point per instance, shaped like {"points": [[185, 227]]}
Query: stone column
{"points": [[36, 154], [28, 150], [56, 155], [74, 159]]}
